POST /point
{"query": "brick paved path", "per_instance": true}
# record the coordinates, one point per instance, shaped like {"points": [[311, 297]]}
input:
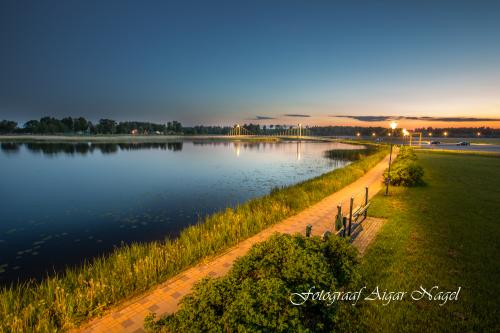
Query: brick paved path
{"points": [[129, 317]]}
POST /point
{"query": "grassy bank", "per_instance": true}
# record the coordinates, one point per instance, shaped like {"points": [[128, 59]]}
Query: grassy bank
{"points": [[445, 233], [64, 301]]}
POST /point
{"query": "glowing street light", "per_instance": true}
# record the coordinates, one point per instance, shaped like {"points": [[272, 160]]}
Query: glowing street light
{"points": [[393, 127], [445, 133], [430, 134], [358, 134], [478, 133], [373, 134]]}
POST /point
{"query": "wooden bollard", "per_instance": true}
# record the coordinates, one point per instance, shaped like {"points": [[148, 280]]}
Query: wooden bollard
{"points": [[338, 219], [344, 222], [326, 235], [308, 230]]}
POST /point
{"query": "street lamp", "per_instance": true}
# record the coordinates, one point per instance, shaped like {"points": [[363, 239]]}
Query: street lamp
{"points": [[393, 127], [358, 134], [445, 133], [405, 133]]}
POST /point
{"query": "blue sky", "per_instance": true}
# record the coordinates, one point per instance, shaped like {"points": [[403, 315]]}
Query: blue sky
{"points": [[221, 62]]}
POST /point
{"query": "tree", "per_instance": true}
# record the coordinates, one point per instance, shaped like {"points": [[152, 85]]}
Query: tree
{"points": [[7, 126], [68, 124], [106, 126], [81, 124], [174, 127], [32, 126]]}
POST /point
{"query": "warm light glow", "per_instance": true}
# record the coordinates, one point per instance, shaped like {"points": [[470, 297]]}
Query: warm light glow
{"points": [[394, 125], [445, 133], [373, 134], [389, 134], [478, 133], [358, 134], [405, 132], [430, 134]]}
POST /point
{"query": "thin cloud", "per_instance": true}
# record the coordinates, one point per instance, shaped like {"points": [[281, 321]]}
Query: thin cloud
{"points": [[297, 115], [444, 119]]}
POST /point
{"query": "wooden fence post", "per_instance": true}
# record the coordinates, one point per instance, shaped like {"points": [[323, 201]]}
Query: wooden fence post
{"points": [[344, 222], [350, 215], [338, 219], [308, 230]]}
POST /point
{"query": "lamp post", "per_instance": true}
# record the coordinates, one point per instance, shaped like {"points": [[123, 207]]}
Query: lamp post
{"points": [[405, 133], [393, 127]]}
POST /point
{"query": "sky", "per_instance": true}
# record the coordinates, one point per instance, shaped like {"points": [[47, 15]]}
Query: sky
{"points": [[424, 63]]}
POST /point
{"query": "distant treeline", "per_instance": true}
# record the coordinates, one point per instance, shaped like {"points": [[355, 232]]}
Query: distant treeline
{"points": [[68, 125]]}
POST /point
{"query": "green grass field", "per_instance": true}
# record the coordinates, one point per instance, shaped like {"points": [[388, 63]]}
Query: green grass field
{"points": [[446, 234]]}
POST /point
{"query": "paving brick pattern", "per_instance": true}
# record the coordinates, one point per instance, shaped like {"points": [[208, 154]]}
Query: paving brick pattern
{"points": [[129, 317]]}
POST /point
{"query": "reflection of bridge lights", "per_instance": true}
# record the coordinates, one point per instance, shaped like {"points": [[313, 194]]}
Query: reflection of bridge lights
{"points": [[237, 149], [299, 152]]}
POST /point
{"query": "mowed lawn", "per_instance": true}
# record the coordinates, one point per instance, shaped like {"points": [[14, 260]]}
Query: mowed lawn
{"points": [[446, 234]]}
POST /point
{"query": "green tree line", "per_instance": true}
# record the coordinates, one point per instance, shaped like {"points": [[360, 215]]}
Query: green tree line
{"points": [[80, 125]]}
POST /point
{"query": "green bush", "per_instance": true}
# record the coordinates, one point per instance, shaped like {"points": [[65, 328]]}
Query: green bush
{"points": [[255, 295], [405, 171]]}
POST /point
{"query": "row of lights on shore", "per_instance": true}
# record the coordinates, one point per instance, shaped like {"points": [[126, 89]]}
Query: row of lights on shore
{"points": [[405, 133]]}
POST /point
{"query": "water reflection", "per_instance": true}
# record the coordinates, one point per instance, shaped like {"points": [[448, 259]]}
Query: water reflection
{"points": [[56, 212], [86, 148], [10, 147]]}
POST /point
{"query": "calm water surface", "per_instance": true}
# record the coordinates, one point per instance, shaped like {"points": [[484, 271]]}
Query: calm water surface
{"points": [[62, 203]]}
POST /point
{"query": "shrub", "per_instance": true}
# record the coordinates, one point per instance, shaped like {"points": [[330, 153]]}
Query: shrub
{"points": [[255, 295], [405, 171]]}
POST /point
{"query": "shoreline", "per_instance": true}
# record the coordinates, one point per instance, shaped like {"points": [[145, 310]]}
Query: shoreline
{"points": [[153, 138]]}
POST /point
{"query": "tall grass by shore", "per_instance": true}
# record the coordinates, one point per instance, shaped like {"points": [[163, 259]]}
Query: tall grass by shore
{"points": [[66, 300]]}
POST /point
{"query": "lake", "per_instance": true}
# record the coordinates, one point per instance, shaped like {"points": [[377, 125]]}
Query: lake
{"points": [[63, 203]]}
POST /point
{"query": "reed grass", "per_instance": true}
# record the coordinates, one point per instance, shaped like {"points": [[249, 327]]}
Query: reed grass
{"points": [[64, 301]]}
